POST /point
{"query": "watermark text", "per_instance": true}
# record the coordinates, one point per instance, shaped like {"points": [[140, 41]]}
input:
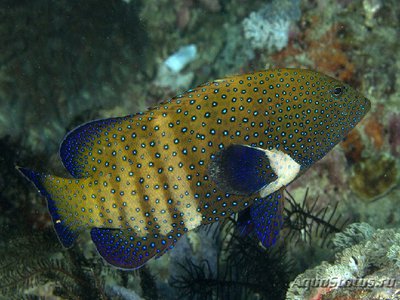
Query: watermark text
{"points": [[335, 282]]}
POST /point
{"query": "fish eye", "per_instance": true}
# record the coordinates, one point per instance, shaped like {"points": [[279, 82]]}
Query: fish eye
{"points": [[337, 91]]}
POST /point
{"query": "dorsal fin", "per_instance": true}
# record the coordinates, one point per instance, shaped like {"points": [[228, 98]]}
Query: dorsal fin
{"points": [[78, 143], [77, 150]]}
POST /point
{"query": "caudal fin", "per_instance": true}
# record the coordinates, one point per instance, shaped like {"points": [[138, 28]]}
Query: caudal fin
{"points": [[57, 190]]}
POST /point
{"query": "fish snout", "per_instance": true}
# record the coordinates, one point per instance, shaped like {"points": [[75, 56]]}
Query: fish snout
{"points": [[367, 104]]}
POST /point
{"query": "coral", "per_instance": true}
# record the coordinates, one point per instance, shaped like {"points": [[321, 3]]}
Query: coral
{"points": [[235, 54], [320, 43], [329, 55], [179, 59], [220, 51], [373, 177], [353, 145], [393, 253], [371, 7], [374, 128], [264, 35], [172, 81], [268, 28], [169, 74], [352, 235], [373, 32], [372, 262], [119, 292]]}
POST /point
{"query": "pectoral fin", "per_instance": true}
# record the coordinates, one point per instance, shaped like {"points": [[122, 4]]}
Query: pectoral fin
{"points": [[245, 170], [241, 170]]}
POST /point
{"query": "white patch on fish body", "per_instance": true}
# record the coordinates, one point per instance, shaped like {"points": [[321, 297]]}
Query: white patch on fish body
{"points": [[285, 168], [192, 218]]}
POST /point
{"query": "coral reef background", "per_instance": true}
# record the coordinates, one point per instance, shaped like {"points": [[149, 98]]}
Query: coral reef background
{"points": [[63, 63]]}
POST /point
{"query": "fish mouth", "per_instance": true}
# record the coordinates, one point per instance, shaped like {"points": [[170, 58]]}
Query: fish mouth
{"points": [[367, 104], [363, 107]]}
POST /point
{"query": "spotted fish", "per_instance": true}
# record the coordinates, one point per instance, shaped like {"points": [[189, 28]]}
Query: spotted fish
{"points": [[231, 145]]}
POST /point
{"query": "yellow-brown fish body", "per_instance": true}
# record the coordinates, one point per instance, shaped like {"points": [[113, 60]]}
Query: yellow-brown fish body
{"points": [[144, 180]]}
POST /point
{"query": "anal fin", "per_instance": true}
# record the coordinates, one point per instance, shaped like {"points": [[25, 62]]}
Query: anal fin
{"points": [[126, 250]]}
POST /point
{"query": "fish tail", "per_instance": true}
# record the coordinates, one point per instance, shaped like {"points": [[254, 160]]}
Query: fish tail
{"points": [[58, 192]]}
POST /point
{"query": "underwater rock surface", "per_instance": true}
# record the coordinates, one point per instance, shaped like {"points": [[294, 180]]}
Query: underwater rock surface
{"points": [[367, 266]]}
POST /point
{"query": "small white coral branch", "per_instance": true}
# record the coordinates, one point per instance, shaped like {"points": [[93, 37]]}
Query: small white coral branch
{"points": [[266, 34]]}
